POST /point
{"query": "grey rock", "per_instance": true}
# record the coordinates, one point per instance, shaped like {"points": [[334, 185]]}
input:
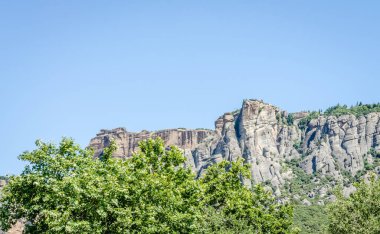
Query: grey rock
{"points": [[321, 203], [348, 190], [331, 198], [306, 202]]}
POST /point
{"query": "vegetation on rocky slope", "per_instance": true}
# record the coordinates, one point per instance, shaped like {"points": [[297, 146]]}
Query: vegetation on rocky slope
{"points": [[300, 184], [338, 110], [311, 219], [305, 121], [358, 213], [358, 110]]}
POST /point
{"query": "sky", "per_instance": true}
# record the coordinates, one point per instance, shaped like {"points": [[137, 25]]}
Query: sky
{"points": [[71, 68]]}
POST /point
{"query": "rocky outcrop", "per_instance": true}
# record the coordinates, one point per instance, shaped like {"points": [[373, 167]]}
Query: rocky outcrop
{"points": [[127, 142], [336, 144], [18, 228], [258, 133], [268, 138], [2, 183]]}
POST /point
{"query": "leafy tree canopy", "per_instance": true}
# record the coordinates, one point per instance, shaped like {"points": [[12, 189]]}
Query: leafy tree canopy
{"points": [[65, 190], [243, 209], [311, 219], [360, 213]]}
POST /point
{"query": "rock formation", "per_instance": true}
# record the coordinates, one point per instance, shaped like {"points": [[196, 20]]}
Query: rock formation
{"points": [[328, 148], [2, 183], [127, 142], [340, 143]]}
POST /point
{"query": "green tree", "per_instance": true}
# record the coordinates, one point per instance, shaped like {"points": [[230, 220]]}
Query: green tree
{"points": [[65, 190], [241, 209], [311, 219], [360, 213]]}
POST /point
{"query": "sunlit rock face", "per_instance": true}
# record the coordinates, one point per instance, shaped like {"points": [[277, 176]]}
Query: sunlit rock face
{"points": [[262, 134], [2, 183], [340, 143], [127, 142]]}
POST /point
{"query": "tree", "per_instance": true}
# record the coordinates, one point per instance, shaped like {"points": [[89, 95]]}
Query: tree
{"points": [[311, 219], [360, 213], [65, 190], [242, 209]]}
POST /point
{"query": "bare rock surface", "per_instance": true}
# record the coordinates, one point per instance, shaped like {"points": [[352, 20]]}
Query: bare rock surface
{"points": [[16, 229]]}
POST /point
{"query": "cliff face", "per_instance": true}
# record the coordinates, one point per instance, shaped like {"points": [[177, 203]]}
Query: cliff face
{"points": [[336, 144], [127, 142], [257, 133], [268, 139]]}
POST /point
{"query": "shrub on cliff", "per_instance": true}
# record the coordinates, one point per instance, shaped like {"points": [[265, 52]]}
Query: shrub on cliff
{"points": [[64, 190]]}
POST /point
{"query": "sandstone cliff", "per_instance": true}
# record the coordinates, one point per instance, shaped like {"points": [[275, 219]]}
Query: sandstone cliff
{"points": [[281, 148]]}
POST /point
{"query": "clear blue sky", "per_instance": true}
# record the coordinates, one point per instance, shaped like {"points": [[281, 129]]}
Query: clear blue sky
{"points": [[70, 68]]}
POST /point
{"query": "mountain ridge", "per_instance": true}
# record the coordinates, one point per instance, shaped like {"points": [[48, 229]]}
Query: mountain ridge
{"points": [[300, 156]]}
